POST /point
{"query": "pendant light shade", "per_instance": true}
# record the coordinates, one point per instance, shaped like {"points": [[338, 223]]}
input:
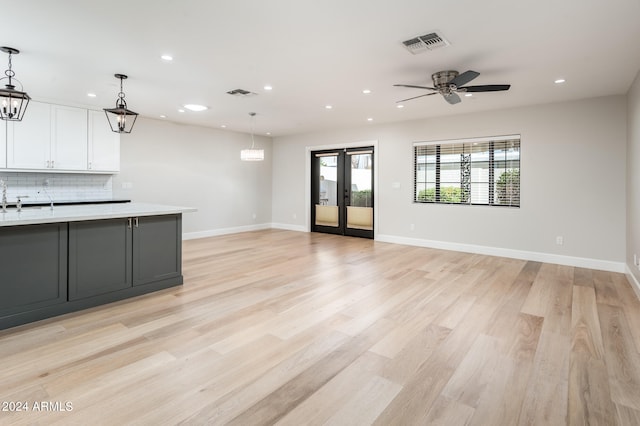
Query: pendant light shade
{"points": [[252, 154], [120, 118], [13, 103]]}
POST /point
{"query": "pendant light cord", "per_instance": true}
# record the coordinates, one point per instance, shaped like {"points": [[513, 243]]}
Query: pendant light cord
{"points": [[253, 122]]}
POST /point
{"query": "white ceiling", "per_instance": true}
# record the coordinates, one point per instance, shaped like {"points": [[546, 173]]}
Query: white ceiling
{"points": [[315, 53]]}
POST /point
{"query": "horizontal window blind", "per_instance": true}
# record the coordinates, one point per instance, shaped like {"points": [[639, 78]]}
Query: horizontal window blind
{"points": [[482, 171]]}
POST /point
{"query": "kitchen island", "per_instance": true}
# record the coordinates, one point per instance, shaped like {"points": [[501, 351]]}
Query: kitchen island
{"points": [[74, 257]]}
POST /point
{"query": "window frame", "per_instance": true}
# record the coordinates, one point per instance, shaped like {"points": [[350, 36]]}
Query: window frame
{"points": [[465, 147]]}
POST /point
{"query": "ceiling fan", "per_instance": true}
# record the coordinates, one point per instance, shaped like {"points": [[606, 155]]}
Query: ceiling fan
{"points": [[450, 83]]}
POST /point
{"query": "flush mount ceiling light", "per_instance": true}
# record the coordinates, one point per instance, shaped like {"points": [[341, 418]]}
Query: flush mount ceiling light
{"points": [[120, 118], [252, 154], [13, 102], [195, 107]]}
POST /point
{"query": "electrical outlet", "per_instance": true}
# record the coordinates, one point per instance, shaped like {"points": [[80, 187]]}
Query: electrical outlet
{"points": [[559, 240], [412, 227], [127, 185], [254, 216], [295, 216], [46, 182]]}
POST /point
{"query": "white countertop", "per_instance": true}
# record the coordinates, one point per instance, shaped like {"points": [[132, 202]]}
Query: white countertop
{"points": [[33, 215]]}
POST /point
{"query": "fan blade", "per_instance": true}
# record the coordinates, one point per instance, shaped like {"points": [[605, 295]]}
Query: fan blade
{"points": [[416, 97], [485, 88], [413, 87], [464, 78], [452, 98]]}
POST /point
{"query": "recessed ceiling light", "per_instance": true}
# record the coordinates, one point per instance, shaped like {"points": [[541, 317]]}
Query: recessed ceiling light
{"points": [[399, 106], [268, 133], [224, 126], [328, 106], [167, 58], [91, 95], [468, 95], [559, 81], [268, 87], [196, 107], [366, 91], [163, 116], [181, 110], [369, 119]]}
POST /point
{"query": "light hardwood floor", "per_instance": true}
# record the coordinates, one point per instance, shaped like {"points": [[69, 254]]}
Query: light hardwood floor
{"points": [[288, 328]]}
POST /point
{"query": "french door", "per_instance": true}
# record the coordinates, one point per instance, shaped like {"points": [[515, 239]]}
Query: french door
{"points": [[342, 191]]}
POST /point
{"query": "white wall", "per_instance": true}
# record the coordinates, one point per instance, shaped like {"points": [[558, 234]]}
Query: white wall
{"points": [[573, 183], [174, 164], [633, 178]]}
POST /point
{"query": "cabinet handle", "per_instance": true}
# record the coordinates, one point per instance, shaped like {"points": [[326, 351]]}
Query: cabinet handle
{"points": [[48, 164], [53, 164], [136, 221], [129, 220], [89, 165]]}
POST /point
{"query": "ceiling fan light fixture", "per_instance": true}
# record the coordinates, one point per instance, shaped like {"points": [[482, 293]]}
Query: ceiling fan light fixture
{"points": [[121, 119], [450, 83], [13, 103]]}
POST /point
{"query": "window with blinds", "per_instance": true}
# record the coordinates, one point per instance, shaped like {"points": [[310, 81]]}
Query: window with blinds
{"points": [[483, 171]]}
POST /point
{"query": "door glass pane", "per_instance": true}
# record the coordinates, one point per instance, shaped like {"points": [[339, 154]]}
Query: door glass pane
{"points": [[327, 213], [360, 206]]}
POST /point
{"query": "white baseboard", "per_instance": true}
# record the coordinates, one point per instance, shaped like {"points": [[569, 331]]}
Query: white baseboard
{"points": [[603, 265], [635, 284], [225, 231], [289, 227]]}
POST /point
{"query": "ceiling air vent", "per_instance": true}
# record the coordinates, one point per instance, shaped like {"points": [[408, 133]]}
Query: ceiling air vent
{"points": [[426, 42], [241, 92]]}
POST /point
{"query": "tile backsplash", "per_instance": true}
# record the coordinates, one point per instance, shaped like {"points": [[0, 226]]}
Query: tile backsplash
{"points": [[61, 186]]}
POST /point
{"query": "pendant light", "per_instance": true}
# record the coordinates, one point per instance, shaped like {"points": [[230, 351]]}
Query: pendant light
{"points": [[120, 118], [252, 154], [13, 103]]}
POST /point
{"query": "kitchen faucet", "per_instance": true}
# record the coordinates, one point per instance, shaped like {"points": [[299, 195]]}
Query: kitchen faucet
{"points": [[44, 189], [4, 196]]}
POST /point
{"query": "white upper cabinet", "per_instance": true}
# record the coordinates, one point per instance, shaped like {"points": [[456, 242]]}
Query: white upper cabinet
{"points": [[68, 138], [60, 138], [104, 145], [29, 140]]}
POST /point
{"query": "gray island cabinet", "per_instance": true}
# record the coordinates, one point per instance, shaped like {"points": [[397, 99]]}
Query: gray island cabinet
{"points": [[48, 269]]}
